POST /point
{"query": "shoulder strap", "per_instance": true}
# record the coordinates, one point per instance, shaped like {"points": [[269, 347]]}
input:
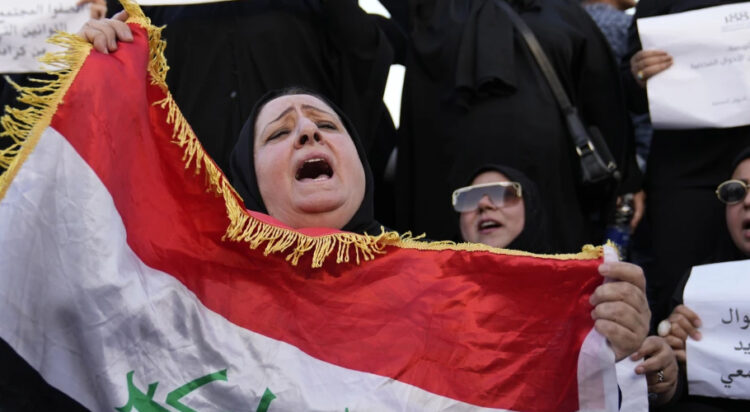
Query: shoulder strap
{"points": [[541, 58], [596, 165]]}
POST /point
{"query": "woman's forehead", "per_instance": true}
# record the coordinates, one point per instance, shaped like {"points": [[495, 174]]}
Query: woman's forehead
{"points": [[489, 176], [278, 107]]}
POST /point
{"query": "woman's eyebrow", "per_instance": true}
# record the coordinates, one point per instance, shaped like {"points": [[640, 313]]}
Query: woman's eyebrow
{"points": [[282, 114], [313, 108]]}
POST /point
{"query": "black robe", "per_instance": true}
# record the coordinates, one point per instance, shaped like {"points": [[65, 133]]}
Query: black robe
{"points": [[223, 57], [474, 95], [684, 220]]}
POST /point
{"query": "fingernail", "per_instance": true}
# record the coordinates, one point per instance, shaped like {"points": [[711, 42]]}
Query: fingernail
{"points": [[698, 336], [698, 323], [639, 370], [593, 316]]}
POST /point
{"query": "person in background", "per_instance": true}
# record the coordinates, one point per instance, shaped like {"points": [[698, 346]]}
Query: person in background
{"points": [[683, 322], [501, 208], [224, 56], [612, 20], [473, 95], [684, 168]]}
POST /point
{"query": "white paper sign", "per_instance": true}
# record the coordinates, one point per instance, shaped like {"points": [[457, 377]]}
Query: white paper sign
{"points": [[719, 364], [26, 25], [709, 83]]}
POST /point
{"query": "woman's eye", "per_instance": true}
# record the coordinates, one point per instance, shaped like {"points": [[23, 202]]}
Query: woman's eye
{"points": [[327, 125], [277, 134]]}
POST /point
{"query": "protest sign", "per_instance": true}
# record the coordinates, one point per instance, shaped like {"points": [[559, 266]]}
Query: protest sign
{"points": [[26, 26], [709, 83], [718, 364]]}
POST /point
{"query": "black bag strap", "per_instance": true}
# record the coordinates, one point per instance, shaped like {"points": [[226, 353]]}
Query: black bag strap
{"points": [[578, 133]]}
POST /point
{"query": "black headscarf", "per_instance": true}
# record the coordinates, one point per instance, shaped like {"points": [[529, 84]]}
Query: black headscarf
{"points": [[242, 165], [726, 250], [744, 154], [533, 236]]}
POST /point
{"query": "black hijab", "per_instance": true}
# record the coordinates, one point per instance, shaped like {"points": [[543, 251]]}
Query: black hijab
{"points": [[242, 165], [739, 159], [726, 250], [533, 237]]}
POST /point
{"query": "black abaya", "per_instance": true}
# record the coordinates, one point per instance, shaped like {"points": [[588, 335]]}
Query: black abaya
{"points": [[473, 95], [684, 220], [223, 57]]}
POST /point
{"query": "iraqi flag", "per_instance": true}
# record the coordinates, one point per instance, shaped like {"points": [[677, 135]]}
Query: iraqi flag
{"points": [[133, 279]]}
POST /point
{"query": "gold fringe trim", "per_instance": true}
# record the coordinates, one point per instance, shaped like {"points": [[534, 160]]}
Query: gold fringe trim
{"points": [[24, 127]]}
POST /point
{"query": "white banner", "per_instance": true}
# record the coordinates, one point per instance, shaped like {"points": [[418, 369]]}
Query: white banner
{"points": [[709, 83], [719, 364], [26, 25]]}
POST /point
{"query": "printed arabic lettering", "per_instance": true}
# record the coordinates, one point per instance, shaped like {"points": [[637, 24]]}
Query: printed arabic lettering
{"points": [[730, 377], [17, 13], [64, 10], [20, 52], [730, 320]]}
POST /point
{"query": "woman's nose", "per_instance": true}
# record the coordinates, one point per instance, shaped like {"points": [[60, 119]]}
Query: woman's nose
{"points": [[485, 203], [308, 132]]}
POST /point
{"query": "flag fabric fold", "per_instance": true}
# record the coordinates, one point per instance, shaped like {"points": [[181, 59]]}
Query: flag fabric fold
{"points": [[133, 279]]}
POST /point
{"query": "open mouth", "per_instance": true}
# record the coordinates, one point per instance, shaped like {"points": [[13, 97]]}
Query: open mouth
{"points": [[314, 169], [488, 224]]}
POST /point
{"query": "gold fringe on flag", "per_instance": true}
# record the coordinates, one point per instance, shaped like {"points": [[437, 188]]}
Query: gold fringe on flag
{"points": [[25, 126]]}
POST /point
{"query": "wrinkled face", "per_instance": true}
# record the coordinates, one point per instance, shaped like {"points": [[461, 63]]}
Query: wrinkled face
{"points": [[309, 173], [738, 214], [489, 224]]}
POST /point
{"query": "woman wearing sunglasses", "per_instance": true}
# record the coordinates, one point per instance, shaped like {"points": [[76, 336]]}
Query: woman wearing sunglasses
{"points": [[683, 322], [501, 208]]}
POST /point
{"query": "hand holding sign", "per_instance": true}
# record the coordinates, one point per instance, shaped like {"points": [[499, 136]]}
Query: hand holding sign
{"points": [[648, 63], [684, 323]]}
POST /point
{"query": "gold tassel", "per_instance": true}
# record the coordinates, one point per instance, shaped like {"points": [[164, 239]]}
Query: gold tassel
{"points": [[24, 127]]}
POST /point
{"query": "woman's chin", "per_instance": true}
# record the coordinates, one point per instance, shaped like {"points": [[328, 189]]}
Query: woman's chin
{"points": [[332, 215]]}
